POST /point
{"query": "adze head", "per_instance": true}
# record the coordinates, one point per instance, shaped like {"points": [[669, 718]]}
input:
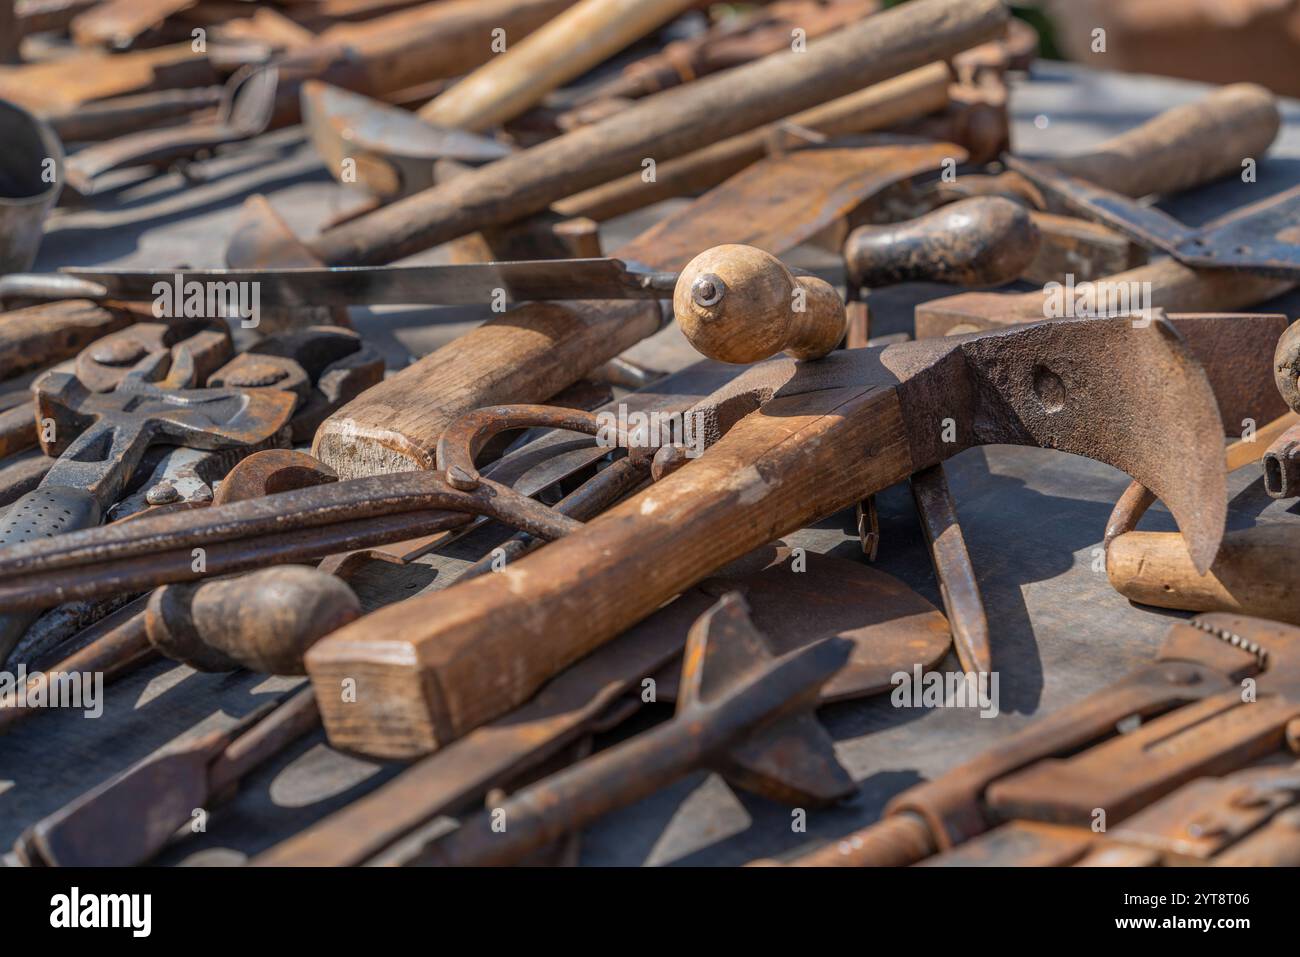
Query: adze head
{"points": [[1124, 391], [732, 679]]}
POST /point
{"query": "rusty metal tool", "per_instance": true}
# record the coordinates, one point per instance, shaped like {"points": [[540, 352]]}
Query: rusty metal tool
{"points": [[121, 642], [107, 119], [1261, 238], [741, 708], [1167, 731], [875, 107], [308, 523], [456, 284], [31, 177], [1282, 460], [246, 110], [791, 451], [528, 354], [94, 466], [1179, 149], [393, 151], [890, 626], [674, 123], [132, 816], [1251, 572], [733, 306]]}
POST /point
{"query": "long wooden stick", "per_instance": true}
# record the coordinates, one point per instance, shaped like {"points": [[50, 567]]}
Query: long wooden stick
{"points": [[576, 40], [667, 125], [910, 96]]}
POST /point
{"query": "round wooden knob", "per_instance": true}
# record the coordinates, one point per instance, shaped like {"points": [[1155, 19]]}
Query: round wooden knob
{"points": [[1286, 366], [740, 304], [984, 241], [263, 621]]}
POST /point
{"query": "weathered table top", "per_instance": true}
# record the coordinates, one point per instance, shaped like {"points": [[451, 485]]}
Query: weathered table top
{"points": [[1032, 520]]}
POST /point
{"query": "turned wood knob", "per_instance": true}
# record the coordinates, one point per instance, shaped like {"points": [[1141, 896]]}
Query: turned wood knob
{"points": [[263, 621], [984, 241], [740, 304]]}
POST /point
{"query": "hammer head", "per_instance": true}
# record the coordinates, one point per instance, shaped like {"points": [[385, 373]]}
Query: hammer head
{"points": [[730, 673]]}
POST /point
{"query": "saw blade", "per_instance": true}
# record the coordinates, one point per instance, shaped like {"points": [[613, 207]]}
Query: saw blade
{"points": [[451, 285]]}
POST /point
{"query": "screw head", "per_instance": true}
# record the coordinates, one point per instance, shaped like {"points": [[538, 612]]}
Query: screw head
{"points": [[708, 290]]}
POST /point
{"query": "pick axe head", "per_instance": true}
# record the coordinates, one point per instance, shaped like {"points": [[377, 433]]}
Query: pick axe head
{"points": [[1127, 392], [727, 665]]}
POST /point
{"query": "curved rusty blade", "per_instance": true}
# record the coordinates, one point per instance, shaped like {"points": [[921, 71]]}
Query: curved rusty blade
{"points": [[1127, 392], [891, 627], [393, 150]]}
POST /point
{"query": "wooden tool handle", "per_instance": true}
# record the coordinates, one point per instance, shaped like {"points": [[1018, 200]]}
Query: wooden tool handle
{"points": [[1254, 573], [432, 668], [982, 241], [579, 38], [263, 621], [739, 304], [1185, 146], [666, 125], [1172, 286], [526, 355]]}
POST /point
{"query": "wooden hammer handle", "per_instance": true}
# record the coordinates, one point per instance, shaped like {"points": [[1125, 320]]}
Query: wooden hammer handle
{"points": [[428, 670], [982, 241], [1183, 147]]}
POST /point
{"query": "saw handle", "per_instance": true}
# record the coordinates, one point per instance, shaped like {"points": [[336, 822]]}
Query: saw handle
{"points": [[739, 304], [982, 241]]}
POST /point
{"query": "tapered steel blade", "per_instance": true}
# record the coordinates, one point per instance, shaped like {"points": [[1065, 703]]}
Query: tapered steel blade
{"points": [[461, 284]]}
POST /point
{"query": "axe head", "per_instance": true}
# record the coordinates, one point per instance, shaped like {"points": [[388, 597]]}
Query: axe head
{"points": [[729, 670]]}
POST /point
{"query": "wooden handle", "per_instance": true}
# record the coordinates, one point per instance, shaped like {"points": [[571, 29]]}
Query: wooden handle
{"points": [[579, 38], [264, 621], [1173, 287], [526, 355], [1185, 146], [982, 241], [905, 97], [432, 668], [1254, 573], [739, 304], [666, 125]]}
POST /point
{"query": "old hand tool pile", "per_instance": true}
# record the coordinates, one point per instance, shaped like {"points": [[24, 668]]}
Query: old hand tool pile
{"points": [[629, 485]]}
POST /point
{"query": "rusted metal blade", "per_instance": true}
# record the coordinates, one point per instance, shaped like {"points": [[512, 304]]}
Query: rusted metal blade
{"points": [[393, 150], [953, 569], [458, 284], [1063, 385], [1262, 237], [128, 819], [105, 823]]}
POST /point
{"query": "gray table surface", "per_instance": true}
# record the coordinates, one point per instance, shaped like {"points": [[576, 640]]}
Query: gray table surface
{"points": [[1032, 519]]}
